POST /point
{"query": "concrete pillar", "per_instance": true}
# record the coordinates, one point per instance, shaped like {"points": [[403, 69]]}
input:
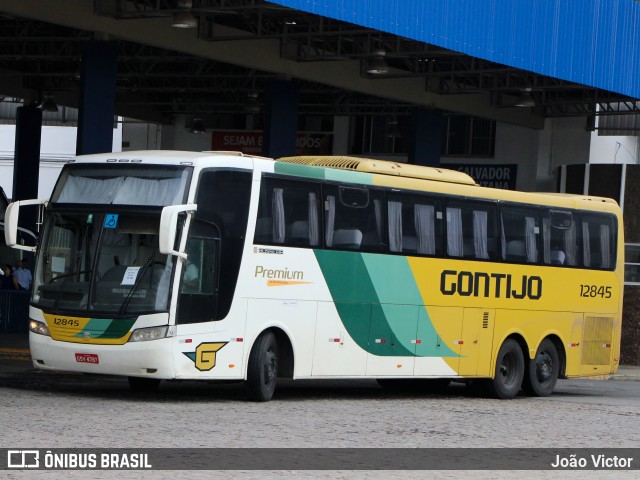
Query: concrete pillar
{"points": [[426, 138], [280, 119], [97, 98], [341, 135], [26, 163]]}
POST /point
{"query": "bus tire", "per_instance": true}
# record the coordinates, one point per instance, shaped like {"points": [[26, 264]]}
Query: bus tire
{"points": [[262, 372], [542, 373], [143, 385], [509, 371]]}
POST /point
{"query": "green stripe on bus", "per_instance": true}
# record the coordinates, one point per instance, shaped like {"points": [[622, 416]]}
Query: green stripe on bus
{"points": [[348, 176], [357, 302], [377, 298], [398, 292], [107, 328], [322, 173], [118, 328], [299, 170]]}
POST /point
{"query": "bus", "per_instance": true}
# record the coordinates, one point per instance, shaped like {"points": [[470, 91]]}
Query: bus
{"points": [[166, 265]]}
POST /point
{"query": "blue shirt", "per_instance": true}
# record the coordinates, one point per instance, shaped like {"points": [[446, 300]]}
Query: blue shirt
{"points": [[24, 277]]}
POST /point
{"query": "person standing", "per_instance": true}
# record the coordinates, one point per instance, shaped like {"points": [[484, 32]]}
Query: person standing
{"points": [[7, 278], [22, 275]]}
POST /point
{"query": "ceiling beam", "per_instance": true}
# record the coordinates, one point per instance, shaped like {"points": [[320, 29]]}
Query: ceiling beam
{"points": [[263, 54]]}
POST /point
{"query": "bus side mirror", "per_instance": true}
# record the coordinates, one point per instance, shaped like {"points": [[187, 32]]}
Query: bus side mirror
{"points": [[169, 226], [11, 223]]}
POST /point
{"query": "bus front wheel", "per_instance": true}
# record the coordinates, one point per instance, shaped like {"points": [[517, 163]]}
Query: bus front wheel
{"points": [[262, 373], [542, 372], [509, 371]]}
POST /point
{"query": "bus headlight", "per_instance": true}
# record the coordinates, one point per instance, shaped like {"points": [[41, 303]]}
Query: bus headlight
{"points": [[146, 334], [39, 328]]}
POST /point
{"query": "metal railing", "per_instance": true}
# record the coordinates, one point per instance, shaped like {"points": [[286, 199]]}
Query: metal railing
{"points": [[14, 311]]}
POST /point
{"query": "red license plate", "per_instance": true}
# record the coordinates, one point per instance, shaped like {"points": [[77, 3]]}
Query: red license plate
{"points": [[87, 358]]}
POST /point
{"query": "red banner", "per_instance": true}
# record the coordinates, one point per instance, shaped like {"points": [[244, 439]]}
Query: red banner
{"points": [[250, 142]]}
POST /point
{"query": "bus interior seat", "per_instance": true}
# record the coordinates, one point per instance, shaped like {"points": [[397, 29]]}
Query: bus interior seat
{"points": [[347, 238], [371, 239], [557, 257], [300, 231], [264, 230], [492, 245], [516, 251], [468, 249], [409, 243]]}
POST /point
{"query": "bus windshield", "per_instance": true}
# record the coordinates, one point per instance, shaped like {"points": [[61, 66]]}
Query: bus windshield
{"points": [[102, 261], [122, 185]]}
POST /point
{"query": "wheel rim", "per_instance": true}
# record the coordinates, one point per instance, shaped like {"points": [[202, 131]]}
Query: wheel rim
{"points": [[270, 367], [544, 367], [508, 369]]}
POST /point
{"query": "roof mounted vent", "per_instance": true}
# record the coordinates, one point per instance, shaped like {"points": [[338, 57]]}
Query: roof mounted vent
{"points": [[382, 167]]}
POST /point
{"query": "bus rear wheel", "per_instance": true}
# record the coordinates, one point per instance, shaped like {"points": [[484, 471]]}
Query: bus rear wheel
{"points": [[542, 372], [509, 371], [143, 385], [262, 373]]}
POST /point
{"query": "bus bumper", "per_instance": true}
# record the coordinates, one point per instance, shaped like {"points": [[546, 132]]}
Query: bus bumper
{"points": [[153, 359]]}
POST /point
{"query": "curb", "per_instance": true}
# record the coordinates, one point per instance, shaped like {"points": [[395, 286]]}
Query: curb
{"points": [[12, 353]]}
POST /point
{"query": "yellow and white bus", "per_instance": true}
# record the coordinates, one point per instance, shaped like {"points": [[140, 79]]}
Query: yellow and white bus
{"points": [[221, 266]]}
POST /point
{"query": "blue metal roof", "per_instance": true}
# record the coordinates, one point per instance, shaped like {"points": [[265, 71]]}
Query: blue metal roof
{"points": [[591, 42]]}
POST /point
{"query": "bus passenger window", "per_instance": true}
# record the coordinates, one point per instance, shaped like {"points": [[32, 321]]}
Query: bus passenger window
{"points": [[415, 224], [597, 241], [471, 230], [520, 233], [354, 218], [288, 213], [559, 234]]}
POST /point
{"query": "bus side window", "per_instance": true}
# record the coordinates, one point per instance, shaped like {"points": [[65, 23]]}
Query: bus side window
{"points": [[288, 213], [354, 218], [597, 241], [200, 275], [471, 230], [415, 224], [520, 234], [560, 238]]}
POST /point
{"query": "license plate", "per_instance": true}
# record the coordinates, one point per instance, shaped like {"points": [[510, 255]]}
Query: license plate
{"points": [[87, 358]]}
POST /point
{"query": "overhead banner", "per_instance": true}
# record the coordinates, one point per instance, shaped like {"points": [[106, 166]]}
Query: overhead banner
{"points": [[493, 176], [250, 142]]}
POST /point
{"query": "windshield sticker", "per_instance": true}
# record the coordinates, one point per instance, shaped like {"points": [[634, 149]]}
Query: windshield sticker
{"points": [[111, 220], [130, 275], [57, 264]]}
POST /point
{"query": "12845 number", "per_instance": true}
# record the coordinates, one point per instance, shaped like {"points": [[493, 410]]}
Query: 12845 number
{"points": [[592, 291]]}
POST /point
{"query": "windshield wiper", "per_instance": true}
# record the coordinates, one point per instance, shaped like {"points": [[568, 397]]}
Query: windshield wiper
{"points": [[141, 273]]}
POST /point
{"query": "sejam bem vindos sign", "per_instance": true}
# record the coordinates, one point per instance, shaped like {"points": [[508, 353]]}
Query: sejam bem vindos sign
{"points": [[250, 142]]}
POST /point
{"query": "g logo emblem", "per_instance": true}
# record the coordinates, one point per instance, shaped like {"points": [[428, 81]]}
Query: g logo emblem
{"points": [[205, 355]]}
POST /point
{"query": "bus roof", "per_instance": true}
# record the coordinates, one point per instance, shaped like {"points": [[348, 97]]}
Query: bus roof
{"points": [[383, 167], [415, 177], [166, 157], [394, 174]]}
